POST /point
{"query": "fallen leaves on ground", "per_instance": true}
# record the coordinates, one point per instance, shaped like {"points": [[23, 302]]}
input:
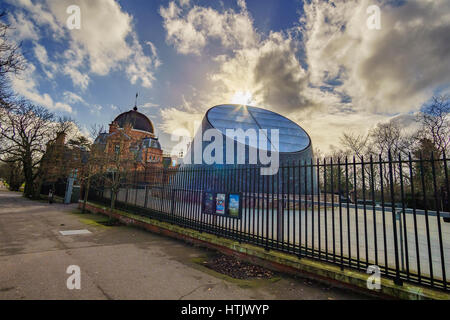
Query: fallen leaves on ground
{"points": [[236, 268]]}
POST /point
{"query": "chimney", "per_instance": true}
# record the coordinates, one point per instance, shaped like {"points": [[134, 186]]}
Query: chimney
{"points": [[113, 126], [60, 138]]}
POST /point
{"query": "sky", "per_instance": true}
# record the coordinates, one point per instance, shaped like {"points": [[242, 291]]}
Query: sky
{"points": [[320, 63]]}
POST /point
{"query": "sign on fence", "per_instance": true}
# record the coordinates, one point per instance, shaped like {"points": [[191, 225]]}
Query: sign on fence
{"points": [[222, 204], [208, 203], [234, 205]]}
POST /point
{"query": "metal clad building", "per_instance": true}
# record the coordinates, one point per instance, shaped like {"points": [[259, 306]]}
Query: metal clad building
{"points": [[293, 147]]}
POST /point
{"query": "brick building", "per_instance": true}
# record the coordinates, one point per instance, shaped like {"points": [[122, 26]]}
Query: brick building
{"points": [[134, 134]]}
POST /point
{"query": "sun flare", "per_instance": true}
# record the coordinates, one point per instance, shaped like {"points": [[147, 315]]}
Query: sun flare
{"points": [[242, 97]]}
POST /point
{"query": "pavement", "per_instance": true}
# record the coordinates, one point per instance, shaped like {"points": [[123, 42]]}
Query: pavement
{"points": [[118, 262]]}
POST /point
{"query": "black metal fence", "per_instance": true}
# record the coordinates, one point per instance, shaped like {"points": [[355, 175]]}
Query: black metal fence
{"points": [[392, 213]]}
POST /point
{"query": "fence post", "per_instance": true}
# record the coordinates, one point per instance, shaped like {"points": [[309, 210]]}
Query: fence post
{"points": [[438, 216], [280, 213], [146, 196], [172, 201], [398, 216], [397, 279]]}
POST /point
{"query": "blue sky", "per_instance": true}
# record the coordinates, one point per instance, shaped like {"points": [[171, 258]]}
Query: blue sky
{"points": [[315, 62]]}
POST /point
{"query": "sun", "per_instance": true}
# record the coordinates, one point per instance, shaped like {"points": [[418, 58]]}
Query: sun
{"points": [[242, 97]]}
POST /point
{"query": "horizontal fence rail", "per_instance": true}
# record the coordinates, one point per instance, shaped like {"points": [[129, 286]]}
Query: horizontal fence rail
{"points": [[392, 212]]}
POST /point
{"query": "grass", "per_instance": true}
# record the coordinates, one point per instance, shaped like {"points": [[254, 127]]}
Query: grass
{"points": [[91, 219]]}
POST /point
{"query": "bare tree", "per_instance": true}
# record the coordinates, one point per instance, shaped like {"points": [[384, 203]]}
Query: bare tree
{"points": [[25, 130], [93, 160], [435, 122], [335, 177], [384, 139], [110, 160], [359, 144], [119, 163], [389, 136], [11, 60]]}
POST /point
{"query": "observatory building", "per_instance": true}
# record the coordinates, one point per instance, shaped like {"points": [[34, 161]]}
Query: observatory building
{"points": [[254, 130], [232, 135], [140, 142]]}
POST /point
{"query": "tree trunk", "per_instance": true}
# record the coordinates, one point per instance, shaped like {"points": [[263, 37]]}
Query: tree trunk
{"points": [[113, 203], [37, 189], [28, 172], [113, 200], [86, 194]]}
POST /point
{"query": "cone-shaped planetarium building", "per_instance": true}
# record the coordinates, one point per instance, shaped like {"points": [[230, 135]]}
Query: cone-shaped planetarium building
{"points": [[246, 134], [233, 135]]}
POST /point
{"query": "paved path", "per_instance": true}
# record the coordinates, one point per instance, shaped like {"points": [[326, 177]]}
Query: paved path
{"points": [[115, 262]]}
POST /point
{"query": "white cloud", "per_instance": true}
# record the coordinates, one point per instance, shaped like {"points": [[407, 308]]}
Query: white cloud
{"points": [[71, 97], [149, 105], [40, 14], [184, 2], [190, 33], [106, 41], [49, 68], [156, 62], [26, 85], [140, 65], [41, 54], [325, 129], [84, 131], [394, 69], [175, 119], [74, 61], [102, 37], [266, 66], [79, 79], [330, 73], [22, 28], [96, 109], [271, 72]]}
